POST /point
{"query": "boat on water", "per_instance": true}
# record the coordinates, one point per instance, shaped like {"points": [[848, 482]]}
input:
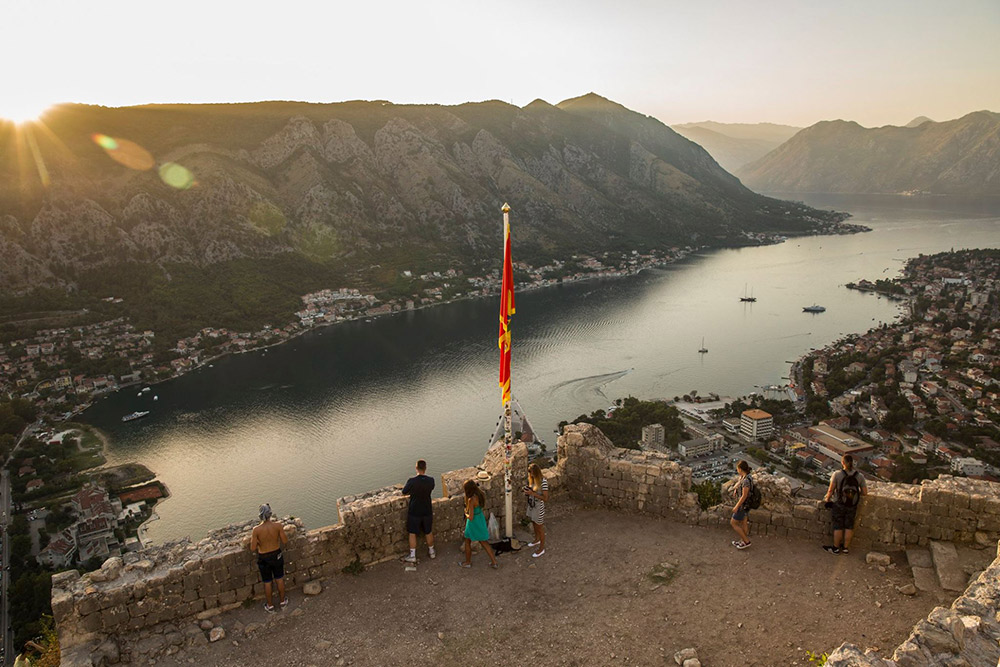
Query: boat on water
{"points": [[703, 350], [139, 414], [145, 389], [814, 309], [747, 299]]}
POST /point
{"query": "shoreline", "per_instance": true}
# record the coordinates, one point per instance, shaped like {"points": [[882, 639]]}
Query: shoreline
{"points": [[845, 228]]}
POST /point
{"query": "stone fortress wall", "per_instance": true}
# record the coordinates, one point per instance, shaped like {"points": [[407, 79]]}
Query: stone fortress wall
{"points": [[184, 580]]}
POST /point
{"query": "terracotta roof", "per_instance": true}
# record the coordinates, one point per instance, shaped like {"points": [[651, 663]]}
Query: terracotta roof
{"points": [[756, 414]]}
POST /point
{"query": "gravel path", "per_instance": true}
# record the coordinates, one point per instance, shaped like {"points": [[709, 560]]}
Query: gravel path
{"points": [[611, 589]]}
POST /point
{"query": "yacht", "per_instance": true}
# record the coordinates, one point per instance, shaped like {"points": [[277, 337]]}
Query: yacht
{"points": [[745, 298], [703, 350], [135, 415], [814, 309]]}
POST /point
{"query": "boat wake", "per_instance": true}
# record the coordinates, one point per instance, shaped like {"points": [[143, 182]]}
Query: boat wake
{"points": [[589, 385], [798, 335]]}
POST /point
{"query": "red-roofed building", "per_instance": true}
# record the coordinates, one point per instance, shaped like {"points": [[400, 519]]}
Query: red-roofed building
{"points": [[92, 501], [94, 529], [35, 484], [756, 424], [59, 552]]}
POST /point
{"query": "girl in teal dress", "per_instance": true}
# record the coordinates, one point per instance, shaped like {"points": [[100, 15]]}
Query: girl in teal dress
{"points": [[475, 524]]}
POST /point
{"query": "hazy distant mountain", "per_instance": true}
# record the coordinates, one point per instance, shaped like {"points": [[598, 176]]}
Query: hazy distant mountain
{"points": [[358, 185], [736, 144], [918, 121], [959, 156]]}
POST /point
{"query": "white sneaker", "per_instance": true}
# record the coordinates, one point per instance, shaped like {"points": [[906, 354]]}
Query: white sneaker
{"points": [[432, 553], [538, 554], [533, 544], [411, 559]]}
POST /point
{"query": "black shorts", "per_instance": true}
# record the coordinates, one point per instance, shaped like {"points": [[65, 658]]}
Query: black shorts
{"points": [[843, 516], [419, 524], [271, 566]]}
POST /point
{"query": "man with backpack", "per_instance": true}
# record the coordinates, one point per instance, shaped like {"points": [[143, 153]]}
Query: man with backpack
{"points": [[843, 497]]}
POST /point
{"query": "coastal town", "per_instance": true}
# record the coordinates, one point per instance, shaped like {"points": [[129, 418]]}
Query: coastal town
{"points": [[909, 401], [62, 370]]}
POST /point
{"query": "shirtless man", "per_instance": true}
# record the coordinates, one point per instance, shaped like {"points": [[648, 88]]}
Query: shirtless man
{"points": [[266, 540]]}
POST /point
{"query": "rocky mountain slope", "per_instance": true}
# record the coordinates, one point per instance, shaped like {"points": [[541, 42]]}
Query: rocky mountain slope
{"points": [[354, 185], [960, 157], [736, 144], [918, 121]]}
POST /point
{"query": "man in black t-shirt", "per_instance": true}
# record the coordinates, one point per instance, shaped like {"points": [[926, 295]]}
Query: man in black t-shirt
{"points": [[419, 518]]}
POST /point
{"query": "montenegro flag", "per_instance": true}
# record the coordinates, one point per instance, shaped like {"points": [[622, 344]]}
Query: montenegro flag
{"points": [[506, 309]]}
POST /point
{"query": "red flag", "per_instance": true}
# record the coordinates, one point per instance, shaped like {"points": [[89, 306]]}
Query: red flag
{"points": [[506, 309]]}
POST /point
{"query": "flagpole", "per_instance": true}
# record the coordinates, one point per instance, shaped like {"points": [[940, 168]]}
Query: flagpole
{"points": [[508, 437]]}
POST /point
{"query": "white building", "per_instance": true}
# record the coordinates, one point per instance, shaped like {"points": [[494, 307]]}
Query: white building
{"points": [[652, 436], [700, 446], [968, 466], [756, 424]]}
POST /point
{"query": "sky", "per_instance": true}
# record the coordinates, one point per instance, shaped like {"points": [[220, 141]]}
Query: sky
{"points": [[876, 62]]}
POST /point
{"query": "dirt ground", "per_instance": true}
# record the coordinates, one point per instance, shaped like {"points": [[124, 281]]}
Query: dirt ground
{"points": [[611, 589]]}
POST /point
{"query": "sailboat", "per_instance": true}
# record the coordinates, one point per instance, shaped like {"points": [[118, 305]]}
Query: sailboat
{"points": [[703, 350], [746, 298]]}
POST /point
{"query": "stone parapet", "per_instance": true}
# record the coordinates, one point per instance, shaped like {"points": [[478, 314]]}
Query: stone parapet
{"points": [[594, 471], [183, 580], [187, 580], [890, 515]]}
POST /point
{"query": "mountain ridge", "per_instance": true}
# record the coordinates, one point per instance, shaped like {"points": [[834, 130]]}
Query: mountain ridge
{"points": [[957, 157], [357, 184], [736, 144]]}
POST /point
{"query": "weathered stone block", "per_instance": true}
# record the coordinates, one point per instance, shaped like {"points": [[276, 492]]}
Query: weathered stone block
{"points": [[91, 622]]}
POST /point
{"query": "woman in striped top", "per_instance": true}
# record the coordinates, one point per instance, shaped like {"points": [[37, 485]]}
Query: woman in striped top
{"points": [[537, 492]]}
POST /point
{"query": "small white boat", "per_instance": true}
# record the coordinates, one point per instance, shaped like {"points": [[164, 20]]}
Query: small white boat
{"points": [[156, 398]]}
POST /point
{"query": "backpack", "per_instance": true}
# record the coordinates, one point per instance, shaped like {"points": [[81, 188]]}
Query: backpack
{"points": [[850, 489], [754, 498]]}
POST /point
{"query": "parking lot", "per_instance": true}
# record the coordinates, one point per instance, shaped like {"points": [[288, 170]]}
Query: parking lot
{"points": [[715, 467]]}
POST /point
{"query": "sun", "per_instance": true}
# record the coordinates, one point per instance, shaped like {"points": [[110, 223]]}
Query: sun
{"points": [[22, 111]]}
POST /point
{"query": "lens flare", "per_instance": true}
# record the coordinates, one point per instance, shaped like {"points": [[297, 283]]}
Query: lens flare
{"points": [[104, 141], [176, 176], [125, 152]]}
